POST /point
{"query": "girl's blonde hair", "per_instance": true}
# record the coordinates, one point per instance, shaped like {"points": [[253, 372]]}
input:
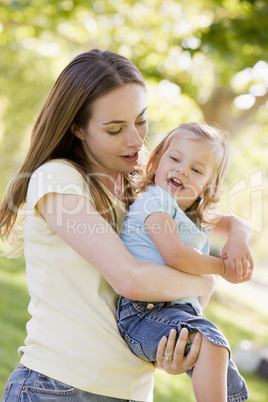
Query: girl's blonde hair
{"points": [[88, 77], [203, 212]]}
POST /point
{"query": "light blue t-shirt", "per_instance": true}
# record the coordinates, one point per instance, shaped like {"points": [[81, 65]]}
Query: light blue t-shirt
{"points": [[139, 243]]}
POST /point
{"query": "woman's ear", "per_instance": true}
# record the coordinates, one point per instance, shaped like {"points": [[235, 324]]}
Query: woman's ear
{"points": [[77, 131]]}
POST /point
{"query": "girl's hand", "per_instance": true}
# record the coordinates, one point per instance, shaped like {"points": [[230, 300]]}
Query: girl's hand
{"points": [[230, 274], [237, 257], [236, 253], [169, 348]]}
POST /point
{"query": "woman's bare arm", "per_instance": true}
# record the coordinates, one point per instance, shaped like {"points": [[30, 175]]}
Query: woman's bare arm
{"points": [[103, 248], [134, 279]]}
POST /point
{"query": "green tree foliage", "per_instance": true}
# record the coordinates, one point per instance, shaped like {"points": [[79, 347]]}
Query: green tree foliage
{"points": [[198, 45], [202, 60]]}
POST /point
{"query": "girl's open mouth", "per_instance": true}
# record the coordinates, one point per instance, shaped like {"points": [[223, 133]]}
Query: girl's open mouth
{"points": [[176, 183]]}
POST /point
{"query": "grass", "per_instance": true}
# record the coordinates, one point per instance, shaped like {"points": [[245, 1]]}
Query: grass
{"points": [[237, 321], [13, 314]]}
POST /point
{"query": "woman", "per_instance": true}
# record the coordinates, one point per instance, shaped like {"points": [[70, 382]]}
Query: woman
{"points": [[76, 182]]}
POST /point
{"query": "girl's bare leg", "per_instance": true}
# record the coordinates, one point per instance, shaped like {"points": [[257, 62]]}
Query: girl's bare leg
{"points": [[210, 373]]}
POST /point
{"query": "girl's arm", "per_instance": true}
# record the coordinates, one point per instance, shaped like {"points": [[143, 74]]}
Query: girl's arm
{"points": [[103, 248], [163, 231], [236, 252]]}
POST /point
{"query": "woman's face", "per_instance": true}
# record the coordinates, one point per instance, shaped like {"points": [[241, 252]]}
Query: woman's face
{"points": [[116, 131]]}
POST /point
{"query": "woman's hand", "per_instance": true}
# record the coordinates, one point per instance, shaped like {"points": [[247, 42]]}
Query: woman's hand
{"points": [[175, 362]]}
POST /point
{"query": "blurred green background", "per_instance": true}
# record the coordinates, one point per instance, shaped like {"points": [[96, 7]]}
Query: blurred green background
{"points": [[202, 61]]}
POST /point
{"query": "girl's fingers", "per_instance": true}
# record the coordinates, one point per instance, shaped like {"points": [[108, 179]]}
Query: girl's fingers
{"points": [[251, 262], [245, 267], [239, 268], [224, 255]]}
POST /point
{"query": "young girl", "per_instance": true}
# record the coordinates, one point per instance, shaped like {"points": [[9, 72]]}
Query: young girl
{"points": [[167, 225], [85, 144]]}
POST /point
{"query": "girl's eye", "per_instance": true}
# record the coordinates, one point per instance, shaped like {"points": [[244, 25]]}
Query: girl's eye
{"points": [[114, 132], [196, 170], [174, 159]]}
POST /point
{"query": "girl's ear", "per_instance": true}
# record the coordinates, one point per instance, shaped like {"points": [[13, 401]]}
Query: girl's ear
{"points": [[77, 132]]}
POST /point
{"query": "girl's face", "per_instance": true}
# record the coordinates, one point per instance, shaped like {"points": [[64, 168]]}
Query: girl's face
{"points": [[116, 131], [185, 169]]}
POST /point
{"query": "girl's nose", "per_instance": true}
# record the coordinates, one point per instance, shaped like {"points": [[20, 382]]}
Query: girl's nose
{"points": [[183, 169]]}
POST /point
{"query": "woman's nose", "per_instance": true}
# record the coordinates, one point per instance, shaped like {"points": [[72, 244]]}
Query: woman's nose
{"points": [[133, 138]]}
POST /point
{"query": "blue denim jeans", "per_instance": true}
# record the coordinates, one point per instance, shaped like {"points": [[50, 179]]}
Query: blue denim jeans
{"points": [[26, 385], [143, 328]]}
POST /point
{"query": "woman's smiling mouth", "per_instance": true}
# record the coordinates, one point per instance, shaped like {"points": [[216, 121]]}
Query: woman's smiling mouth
{"points": [[131, 157]]}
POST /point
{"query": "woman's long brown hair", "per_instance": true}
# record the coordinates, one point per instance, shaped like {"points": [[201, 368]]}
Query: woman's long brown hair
{"points": [[87, 77]]}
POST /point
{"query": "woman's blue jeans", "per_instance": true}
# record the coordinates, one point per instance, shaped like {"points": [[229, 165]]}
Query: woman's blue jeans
{"points": [[26, 385]]}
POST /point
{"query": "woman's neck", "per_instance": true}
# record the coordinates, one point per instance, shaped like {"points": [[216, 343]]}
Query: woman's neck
{"points": [[113, 185]]}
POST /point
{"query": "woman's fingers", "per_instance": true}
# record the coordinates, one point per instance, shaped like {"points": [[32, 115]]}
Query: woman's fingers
{"points": [[180, 345], [170, 353], [170, 345], [160, 351], [165, 350], [193, 354]]}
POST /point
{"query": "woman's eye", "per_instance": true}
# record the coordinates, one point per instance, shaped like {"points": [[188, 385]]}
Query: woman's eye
{"points": [[140, 123], [174, 159], [114, 132]]}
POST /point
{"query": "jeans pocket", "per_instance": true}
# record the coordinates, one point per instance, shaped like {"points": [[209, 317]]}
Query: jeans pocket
{"points": [[133, 345], [6, 391], [136, 348], [47, 386]]}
